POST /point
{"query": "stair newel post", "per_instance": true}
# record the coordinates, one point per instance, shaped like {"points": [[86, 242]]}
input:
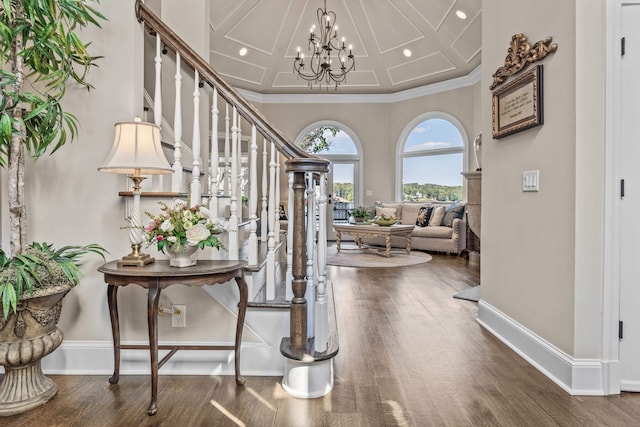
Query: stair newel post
{"points": [[264, 226], [227, 154], [157, 102], [195, 144], [308, 373], [321, 311], [298, 322], [213, 159], [289, 275], [271, 248], [276, 225], [311, 236], [253, 199], [176, 179]]}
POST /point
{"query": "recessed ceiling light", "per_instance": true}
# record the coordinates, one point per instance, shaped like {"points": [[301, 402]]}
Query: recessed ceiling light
{"points": [[460, 14], [407, 53], [243, 51]]}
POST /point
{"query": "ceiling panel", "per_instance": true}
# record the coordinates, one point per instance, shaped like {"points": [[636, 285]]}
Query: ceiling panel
{"points": [[469, 43], [222, 10], [420, 68], [432, 11], [249, 30], [391, 29]]}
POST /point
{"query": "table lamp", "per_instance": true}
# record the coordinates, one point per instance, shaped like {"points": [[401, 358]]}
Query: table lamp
{"points": [[136, 151]]}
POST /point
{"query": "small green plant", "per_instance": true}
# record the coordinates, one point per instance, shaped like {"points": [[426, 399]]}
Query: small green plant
{"points": [[38, 266], [359, 212]]}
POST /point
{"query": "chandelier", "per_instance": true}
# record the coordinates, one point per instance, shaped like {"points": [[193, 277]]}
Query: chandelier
{"points": [[329, 62]]}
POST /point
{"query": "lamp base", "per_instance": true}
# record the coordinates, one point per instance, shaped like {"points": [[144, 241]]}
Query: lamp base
{"points": [[135, 258]]}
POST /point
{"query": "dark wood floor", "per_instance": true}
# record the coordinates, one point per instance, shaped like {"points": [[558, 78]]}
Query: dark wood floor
{"points": [[410, 354]]}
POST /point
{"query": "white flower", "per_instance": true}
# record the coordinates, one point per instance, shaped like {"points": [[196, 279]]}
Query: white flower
{"points": [[197, 233], [166, 226], [179, 204], [187, 225], [172, 239], [205, 212]]}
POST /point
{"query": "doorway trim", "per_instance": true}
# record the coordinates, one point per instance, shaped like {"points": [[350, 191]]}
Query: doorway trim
{"points": [[612, 206]]}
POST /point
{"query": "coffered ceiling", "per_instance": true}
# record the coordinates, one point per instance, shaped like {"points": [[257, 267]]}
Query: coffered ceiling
{"points": [[442, 45]]}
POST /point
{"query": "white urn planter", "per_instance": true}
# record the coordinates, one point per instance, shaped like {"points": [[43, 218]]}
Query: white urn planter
{"points": [[25, 338]]}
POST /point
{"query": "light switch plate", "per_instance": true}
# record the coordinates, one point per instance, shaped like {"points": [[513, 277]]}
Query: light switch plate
{"points": [[530, 180]]}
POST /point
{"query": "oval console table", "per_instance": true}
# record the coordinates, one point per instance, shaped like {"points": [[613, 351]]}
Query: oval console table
{"points": [[158, 276]]}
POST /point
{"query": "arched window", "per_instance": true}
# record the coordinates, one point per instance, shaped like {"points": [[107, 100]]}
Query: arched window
{"points": [[431, 155], [340, 145]]}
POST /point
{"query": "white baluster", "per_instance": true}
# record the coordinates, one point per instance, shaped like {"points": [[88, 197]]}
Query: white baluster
{"points": [[176, 179], [310, 293], [271, 253], [264, 226], [157, 99], [213, 162], [233, 219], [277, 224], [156, 181], [195, 144], [238, 159], [289, 275], [253, 199], [322, 315], [227, 155]]}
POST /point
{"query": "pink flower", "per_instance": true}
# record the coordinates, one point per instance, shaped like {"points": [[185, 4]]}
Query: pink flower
{"points": [[159, 238]]}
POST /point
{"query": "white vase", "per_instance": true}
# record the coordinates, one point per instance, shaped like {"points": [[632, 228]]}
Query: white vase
{"points": [[181, 256]]}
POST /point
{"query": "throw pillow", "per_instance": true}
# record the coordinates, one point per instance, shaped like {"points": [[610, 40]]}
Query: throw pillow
{"points": [[436, 216], [423, 216], [386, 211], [454, 211]]}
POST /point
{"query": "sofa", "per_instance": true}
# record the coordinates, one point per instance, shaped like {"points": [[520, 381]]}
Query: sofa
{"points": [[439, 227]]}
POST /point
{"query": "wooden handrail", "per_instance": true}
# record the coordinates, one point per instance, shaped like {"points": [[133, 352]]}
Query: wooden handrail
{"points": [[153, 24]]}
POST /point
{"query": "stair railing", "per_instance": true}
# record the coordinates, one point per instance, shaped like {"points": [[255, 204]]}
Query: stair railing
{"points": [[303, 167]]}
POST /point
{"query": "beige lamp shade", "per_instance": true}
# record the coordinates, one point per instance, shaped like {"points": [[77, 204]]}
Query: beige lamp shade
{"points": [[136, 148]]}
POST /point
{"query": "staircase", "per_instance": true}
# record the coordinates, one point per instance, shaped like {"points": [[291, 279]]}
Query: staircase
{"points": [[237, 172]]}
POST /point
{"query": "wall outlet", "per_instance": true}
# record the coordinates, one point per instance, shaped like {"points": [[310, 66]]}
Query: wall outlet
{"points": [[179, 316]]}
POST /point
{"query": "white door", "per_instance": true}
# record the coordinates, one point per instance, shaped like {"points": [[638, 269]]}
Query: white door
{"points": [[630, 204]]}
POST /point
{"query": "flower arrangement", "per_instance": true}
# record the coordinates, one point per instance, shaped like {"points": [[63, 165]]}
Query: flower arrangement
{"points": [[179, 225]]}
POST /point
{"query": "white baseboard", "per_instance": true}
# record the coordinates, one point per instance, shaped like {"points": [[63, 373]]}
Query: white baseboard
{"points": [[575, 376], [96, 358]]}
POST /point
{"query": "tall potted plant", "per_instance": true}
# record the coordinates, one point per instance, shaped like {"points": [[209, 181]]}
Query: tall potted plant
{"points": [[40, 51]]}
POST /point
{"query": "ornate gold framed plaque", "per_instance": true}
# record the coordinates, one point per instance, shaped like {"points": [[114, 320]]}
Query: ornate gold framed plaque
{"points": [[518, 104]]}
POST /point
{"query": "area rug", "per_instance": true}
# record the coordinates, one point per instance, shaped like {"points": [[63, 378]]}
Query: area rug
{"points": [[472, 294], [351, 256]]}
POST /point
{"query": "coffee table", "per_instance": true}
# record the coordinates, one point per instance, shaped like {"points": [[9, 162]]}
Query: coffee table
{"points": [[359, 232]]}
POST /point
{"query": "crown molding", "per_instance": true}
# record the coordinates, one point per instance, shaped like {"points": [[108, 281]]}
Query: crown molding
{"points": [[384, 98]]}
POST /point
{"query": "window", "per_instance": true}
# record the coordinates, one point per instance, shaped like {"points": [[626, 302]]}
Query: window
{"points": [[431, 158], [339, 144]]}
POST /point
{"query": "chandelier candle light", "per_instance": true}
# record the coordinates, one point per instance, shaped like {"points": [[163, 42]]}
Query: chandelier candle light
{"points": [[136, 151], [320, 68]]}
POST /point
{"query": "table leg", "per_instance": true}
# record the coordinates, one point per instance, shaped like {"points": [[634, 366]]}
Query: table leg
{"points": [[408, 243], [112, 301], [242, 309], [338, 239], [387, 241], [152, 321]]}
